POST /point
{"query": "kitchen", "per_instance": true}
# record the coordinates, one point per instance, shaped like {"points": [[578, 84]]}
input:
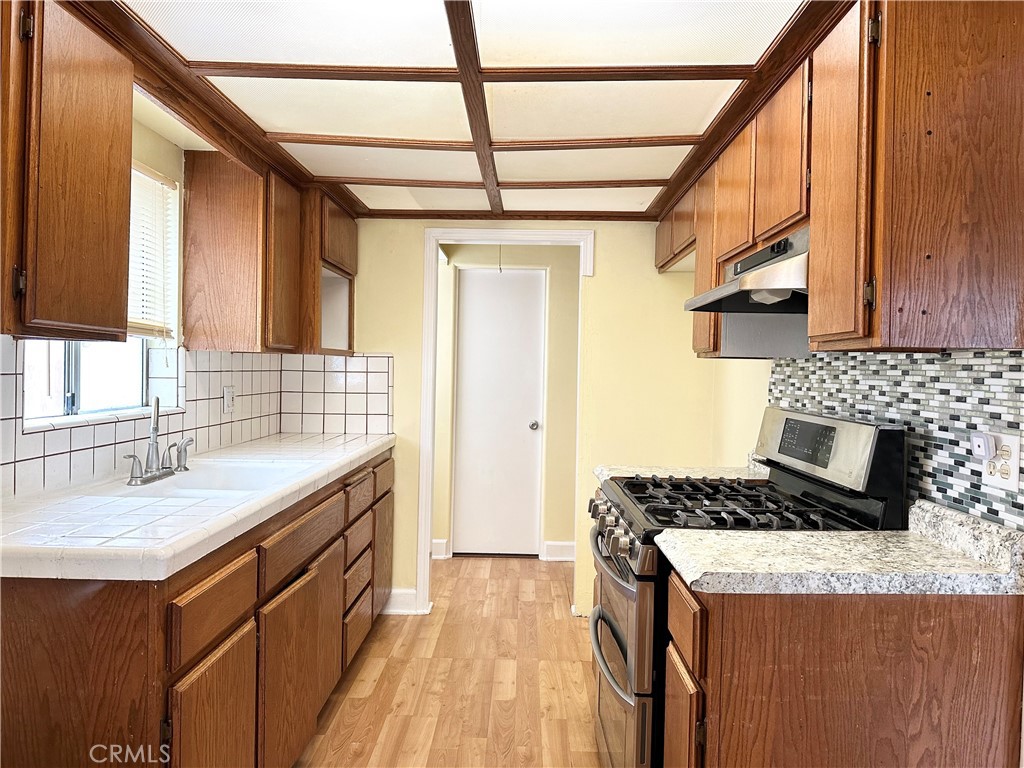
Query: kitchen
{"points": [[270, 213]]}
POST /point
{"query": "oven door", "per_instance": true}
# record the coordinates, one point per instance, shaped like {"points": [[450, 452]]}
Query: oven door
{"points": [[624, 720]]}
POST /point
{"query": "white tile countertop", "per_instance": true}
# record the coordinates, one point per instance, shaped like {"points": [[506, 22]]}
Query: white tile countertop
{"points": [[944, 552], [146, 533]]}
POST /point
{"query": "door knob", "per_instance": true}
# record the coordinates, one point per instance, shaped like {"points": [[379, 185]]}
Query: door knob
{"points": [[534, 425]]}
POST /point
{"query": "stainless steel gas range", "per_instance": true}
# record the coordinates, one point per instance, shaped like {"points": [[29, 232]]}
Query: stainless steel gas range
{"points": [[824, 474]]}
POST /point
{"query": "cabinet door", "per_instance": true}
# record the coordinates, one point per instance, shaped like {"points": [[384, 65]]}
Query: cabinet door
{"points": [[330, 568], [683, 222], [839, 250], [283, 287], [781, 159], [340, 238], [663, 242], [289, 690], [213, 707], [734, 196], [383, 551], [705, 324], [684, 708], [78, 185]]}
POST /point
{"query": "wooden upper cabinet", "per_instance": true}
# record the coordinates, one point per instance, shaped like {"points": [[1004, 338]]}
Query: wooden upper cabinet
{"points": [[213, 707], [705, 324], [663, 242], [682, 223], [77, 186], [734, 196], [781, 158], [340, 245], [283, 292]]}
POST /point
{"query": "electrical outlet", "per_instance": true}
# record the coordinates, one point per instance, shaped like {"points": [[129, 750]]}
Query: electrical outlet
{"points": [[229, 399], [1003, 469]]}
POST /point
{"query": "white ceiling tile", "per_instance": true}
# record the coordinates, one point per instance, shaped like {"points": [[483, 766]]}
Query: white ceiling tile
{"points": [[351, 107], [380, 163], [404, 33], [589, 164], [163, 123], [630, 199], [532, 33], [604, 109], [420, 198]]}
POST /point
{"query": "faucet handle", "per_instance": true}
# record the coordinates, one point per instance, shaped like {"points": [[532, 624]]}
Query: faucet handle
{"points": [[136, 473], [166, 462], [183, 454]]}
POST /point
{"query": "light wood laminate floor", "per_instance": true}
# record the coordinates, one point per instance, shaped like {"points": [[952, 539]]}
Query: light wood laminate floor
{"points": [[499, 674]]}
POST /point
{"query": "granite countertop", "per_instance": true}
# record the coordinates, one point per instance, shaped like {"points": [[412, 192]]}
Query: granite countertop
{"points": [[944, 552], [111, 531]]}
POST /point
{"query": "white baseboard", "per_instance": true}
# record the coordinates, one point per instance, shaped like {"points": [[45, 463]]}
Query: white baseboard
{"points": [[441, 549], [558, 550], [403, 603]]}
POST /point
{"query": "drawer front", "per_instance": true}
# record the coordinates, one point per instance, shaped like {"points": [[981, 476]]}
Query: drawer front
{"points": [[360, 496], [203, 613], [357, 624], [358, 538], [383, 478], [687, 623], [287, 551], [357, 577]]}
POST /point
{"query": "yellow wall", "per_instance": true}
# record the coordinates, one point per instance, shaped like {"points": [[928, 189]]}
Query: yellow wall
{"points": [[158, 153], [558, 475], [643, 396]]}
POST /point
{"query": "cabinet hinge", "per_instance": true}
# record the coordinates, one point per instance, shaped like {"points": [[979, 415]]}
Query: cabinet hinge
{"points": [[808, 90], [165, 731], [875, 30], [870, 289], [700, 733], [20, 282], [28, 25], [808, 178]]}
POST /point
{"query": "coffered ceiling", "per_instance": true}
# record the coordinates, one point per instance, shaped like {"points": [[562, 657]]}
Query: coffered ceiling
{"points": [[424, 107]]}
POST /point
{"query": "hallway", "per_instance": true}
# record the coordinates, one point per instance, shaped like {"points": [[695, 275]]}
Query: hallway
{"points": [[499, 674]]}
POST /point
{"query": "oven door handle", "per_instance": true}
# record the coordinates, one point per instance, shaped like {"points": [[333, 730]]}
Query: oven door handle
{"points": [[602, 563], [596, 617]]}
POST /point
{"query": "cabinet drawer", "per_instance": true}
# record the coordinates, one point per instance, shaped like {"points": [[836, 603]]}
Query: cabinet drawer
{"points": [[357, 577], [357, 538], [383, 478], [687, 623], [203, 613], [360, 495], [287, 551], [357, 624]]}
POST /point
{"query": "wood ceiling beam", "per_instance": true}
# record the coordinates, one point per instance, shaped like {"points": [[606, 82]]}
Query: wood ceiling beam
{"points": [[369, 141], [323, 71], [600, 184], [426, 184], [606, 74], [528, 145], [380, 213], [805, 30], [439, 184], [515, 145], [467, 59]]}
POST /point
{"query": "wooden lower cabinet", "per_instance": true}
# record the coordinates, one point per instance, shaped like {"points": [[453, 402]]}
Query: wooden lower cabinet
{"points": [[213, 707], [330, 567], [357, 624], [683, 712], [289, 690], [383, 551]]}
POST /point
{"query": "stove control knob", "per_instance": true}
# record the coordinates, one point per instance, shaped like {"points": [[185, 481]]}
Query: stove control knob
{"points": [[605, 521], [622, 545], [597, 507]]}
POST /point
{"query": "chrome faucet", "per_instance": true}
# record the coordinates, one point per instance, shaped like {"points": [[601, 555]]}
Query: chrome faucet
{"points": [[155, 468]]}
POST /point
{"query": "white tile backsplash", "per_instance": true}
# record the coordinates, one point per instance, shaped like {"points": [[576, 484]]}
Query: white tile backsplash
{"points": [[274, 393]]}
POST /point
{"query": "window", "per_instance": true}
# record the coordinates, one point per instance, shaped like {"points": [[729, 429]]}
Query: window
{"points": [[66, 378]]}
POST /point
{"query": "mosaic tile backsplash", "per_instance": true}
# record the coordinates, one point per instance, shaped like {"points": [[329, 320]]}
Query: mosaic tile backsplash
{"points": [[939, 398]]}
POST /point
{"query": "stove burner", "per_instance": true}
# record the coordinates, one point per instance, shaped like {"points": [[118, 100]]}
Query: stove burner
{"points": [[730, 504]]}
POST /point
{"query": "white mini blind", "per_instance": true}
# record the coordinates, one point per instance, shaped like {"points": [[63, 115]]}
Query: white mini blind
{"points": [[153, 256]]}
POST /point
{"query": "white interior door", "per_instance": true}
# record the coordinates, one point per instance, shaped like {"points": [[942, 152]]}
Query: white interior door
{"points": [[499, 402]]}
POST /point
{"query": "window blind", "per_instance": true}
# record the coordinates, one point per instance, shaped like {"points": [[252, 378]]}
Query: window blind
{"points": [[153, 256]]}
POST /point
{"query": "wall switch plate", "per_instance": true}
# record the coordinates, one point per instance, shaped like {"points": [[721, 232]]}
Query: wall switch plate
{"points": [[1003, 469], [229, 399]]}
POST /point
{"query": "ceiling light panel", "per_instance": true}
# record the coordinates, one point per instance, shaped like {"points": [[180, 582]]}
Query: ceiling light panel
{"points": [[397, 34], [567, 110], [420, 198], [589, 164], [381, 163], [575, 33], [632, 200], [404, 110]]}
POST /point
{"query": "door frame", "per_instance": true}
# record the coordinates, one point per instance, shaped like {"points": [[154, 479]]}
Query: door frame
{"points": [[434, 238]]}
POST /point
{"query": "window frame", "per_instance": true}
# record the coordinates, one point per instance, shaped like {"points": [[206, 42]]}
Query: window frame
{"points": [[73, 380]]}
